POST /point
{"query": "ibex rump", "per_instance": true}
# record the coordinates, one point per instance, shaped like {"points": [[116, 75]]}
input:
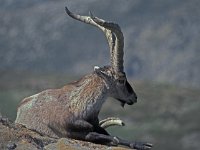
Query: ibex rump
{"points": [[72, 111]]}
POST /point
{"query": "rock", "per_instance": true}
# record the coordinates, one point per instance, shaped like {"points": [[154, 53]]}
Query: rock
{"points": [[11, 146], [17, 137], [66, 144]]}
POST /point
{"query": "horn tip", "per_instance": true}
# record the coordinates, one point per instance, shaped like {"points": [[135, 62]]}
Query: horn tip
{"points": [[67, 10]]}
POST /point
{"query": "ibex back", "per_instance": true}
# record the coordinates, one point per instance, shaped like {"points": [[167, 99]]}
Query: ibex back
{"points": [[72, 111]]}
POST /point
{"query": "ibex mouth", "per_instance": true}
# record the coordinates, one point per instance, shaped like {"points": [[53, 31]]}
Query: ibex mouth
{"points": [[130, 103], [125, 102]]}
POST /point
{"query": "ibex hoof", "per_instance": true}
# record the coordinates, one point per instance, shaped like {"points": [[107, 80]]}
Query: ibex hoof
{"points": [[141, 145]]}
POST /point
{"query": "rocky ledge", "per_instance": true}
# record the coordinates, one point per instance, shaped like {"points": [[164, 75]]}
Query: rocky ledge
{"points": [[17, 137]]}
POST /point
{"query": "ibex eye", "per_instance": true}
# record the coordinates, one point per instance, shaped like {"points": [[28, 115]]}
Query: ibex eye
{"points": [[121, 81]]}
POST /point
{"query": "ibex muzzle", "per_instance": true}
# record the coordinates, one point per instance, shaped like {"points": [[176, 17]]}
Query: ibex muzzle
{"points": [[126, 94], [130, 97]]}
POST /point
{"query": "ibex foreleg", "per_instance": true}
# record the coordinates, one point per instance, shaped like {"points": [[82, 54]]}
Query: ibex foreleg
{"points": [[99, 135], [115, 141]]}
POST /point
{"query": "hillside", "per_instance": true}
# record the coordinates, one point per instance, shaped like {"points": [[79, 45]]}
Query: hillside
{"points": [[161, 38]]}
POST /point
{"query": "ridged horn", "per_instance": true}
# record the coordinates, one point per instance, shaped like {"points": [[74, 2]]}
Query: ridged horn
{"points": [[113, 34], [111, 121], [117, 53]]}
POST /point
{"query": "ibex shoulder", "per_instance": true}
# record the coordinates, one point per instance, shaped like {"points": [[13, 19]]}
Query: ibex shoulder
{"points": [[82, 86]]}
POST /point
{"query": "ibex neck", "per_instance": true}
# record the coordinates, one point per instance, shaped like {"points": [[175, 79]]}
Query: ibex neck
{"points": [[90, 94]]}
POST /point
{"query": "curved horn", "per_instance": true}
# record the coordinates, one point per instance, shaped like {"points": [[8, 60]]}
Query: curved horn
{"points": [[113, 34], [112, 121], [88, 19], [118, 51]]}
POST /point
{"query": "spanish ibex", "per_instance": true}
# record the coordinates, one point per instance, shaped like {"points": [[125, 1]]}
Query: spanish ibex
{"points": [[72, 111]]}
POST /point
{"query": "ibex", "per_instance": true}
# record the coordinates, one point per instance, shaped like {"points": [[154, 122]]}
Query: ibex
{"points": [[72, 111]]}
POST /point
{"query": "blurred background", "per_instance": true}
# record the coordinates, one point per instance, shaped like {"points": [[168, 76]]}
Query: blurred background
{"points": [[41, 48]]}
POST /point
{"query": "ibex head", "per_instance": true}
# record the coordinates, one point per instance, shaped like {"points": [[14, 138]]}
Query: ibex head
{"points": [[114, 75], [118, 85]]}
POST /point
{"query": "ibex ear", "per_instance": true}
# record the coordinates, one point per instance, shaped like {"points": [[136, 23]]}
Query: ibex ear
{"points": [[96, 67], [101, 72]]}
